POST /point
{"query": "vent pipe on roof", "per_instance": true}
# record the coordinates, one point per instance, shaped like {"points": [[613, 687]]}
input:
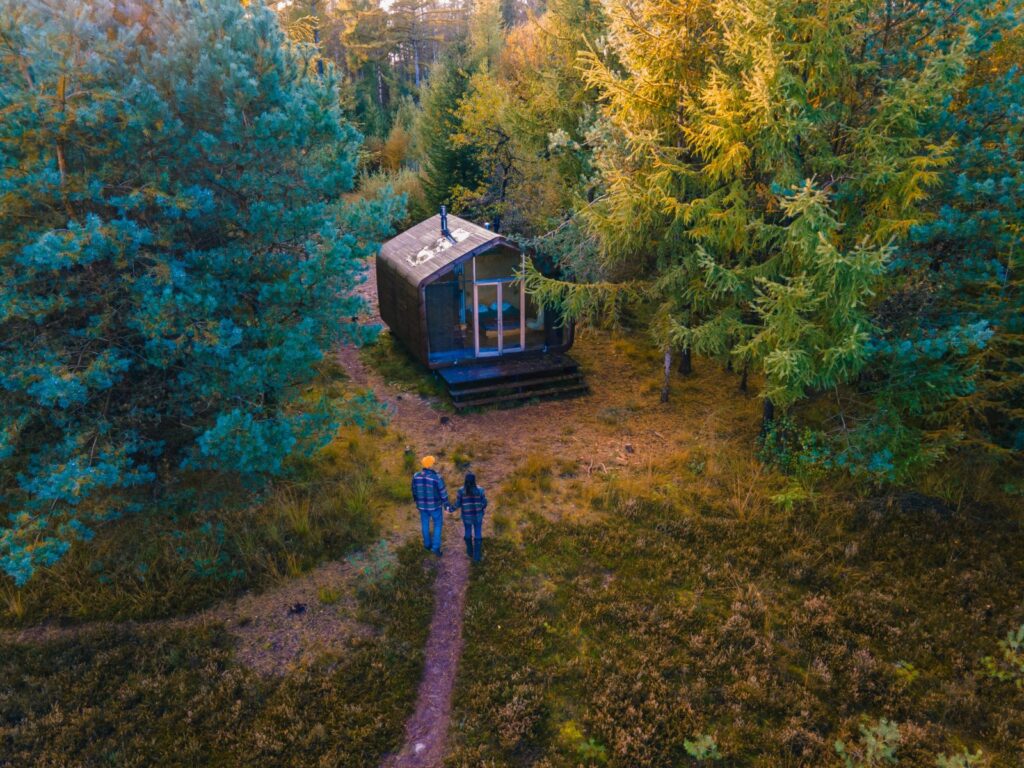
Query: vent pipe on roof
{"points": [[444, 222]]}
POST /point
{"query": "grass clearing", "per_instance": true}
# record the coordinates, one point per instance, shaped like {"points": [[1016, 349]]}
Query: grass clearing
{"points": [[697, 606], [169, 562], [399, 370], [142, 697]]}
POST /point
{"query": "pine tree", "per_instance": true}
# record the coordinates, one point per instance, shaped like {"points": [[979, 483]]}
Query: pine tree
{"points": [[173, 260], [445, 165], [953, 348]]}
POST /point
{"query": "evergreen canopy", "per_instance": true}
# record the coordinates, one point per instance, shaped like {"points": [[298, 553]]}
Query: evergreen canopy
{"points": [[173, 259], [827, 193]]}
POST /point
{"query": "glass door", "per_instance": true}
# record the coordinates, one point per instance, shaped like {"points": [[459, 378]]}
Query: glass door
{"points": [[511, 302], [487, 311]]}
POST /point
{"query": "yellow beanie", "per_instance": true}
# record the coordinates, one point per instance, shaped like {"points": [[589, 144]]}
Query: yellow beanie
{"points": [[428, 462]]}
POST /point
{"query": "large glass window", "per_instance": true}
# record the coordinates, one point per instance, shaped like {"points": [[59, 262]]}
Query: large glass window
{"points": [[449, 335], [487, 298], [492, 316], [499, 264]]}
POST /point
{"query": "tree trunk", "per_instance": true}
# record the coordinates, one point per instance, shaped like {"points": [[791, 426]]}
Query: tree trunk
{"points": [[668, 375], [685, 362], [743, 378], [768, 415]]}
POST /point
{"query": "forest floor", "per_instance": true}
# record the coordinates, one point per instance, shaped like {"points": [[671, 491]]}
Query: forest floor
{"points": [[645, 580], [614, 428], [281, 629]]}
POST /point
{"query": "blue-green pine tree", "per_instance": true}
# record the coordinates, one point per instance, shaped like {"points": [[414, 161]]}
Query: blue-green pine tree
{"points": [[174, 260]]}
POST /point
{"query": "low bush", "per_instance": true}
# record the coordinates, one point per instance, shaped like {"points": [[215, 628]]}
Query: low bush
{"points": [[779, 633]]}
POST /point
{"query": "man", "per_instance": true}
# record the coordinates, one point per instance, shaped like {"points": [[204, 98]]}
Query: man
{"points": [[431, 497]]}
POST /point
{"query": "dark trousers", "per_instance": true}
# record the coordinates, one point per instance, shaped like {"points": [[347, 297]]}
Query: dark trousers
{"points": [[474, 534], [432, 541]]}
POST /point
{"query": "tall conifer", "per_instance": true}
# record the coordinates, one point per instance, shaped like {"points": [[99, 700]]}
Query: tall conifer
{"points": [[173, 261]]}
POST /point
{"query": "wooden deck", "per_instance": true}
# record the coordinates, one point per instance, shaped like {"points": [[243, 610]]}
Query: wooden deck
{"points": [[511, 379]]}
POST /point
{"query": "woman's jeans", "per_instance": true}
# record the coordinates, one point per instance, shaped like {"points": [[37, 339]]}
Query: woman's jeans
{"points": [[432, 543], [474, 534]]}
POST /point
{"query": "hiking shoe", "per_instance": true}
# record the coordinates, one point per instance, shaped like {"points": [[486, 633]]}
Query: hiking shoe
{"points": [[436, 552]]}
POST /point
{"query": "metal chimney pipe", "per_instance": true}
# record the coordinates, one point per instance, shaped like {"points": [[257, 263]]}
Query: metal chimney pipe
{"points": [[444, 221]]}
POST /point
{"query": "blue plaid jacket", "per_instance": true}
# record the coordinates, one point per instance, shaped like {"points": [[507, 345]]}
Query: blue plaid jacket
{"points": [[429, 491], [471, 504]]}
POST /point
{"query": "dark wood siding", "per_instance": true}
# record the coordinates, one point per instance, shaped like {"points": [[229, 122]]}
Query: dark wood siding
{"points": [[401, 309]]}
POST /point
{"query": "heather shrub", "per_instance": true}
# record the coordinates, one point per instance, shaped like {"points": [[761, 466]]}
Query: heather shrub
{"points": [[674, 612], [144, 696]]}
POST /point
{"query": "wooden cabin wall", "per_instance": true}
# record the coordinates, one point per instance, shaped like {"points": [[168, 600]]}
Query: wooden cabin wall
{"points": [[401, 310]]}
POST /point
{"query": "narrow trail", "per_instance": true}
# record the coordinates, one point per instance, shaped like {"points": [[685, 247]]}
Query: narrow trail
{"points": [[427, 730]]}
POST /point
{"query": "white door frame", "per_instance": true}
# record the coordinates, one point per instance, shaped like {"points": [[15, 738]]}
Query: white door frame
{"points": [[500, 290]]}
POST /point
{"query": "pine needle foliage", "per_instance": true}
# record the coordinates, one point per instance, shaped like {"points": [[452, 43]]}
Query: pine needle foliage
{"points": [[173, 258]]}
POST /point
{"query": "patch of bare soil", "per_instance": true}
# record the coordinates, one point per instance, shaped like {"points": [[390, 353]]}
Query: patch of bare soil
{"points": [[277, 630], [621, 423]]}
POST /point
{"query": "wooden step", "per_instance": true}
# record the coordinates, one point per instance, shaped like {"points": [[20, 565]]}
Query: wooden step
{"points": [[494, 369], [491, 387], [576, 389], [510, 379]]}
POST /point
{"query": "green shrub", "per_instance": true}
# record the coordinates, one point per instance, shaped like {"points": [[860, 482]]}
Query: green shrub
{"points": [[878, 745], [1009, 665], [702, 748]]}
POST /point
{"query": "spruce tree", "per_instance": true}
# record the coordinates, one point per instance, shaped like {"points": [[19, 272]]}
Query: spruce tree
{"points": [[445, 165]]}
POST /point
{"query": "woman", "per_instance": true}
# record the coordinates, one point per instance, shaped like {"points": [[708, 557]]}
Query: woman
{"points": [[472, 501]]}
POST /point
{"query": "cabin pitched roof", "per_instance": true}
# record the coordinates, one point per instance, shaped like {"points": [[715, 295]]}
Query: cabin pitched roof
{"points": [[422, 251]]}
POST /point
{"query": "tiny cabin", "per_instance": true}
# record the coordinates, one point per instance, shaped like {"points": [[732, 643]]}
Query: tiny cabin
{"points": [[448, 290]]}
